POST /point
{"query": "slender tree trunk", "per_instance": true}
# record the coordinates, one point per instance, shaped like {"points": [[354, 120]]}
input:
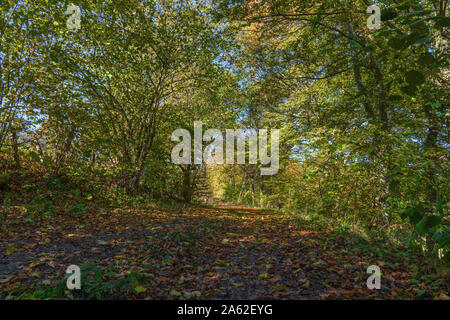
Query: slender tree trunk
{"points": [[62, 155], [244, 185], [187, 190], [15, 148]]}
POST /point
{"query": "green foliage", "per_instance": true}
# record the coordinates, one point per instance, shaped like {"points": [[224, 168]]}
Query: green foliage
{"points": [[78, 209], [6, 206], [97, 283], [435, 227], [4, 180]]}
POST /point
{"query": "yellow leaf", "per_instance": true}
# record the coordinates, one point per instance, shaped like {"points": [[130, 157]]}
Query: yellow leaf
{"points": [[140, 289], [279, 287], [298, 270]]}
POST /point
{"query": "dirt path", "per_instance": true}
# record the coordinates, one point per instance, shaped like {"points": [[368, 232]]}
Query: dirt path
{"points": [[225, 252]]}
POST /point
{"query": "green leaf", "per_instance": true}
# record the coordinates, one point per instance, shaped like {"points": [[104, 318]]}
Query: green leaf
{"points": [[175, 293], [409, 90], [140, 289], [423, 40], [420, 292], [398, 43], [354, 43], [427, 222], [427, 59], [406, 213], [443, 22], [263, 275], [421, 226], [388, 14], [433, 221], [298, 270], [414, 78], [414, 214], [416, 13]]}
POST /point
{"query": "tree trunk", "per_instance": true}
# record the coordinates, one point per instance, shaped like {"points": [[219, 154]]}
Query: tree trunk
{"points": [[187, 191], [15, 148]]}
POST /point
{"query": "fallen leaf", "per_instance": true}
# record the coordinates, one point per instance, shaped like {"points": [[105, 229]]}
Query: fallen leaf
{"points": [[279, 287], [5, 279], [175, 293], [263, 275], [140, 289]]}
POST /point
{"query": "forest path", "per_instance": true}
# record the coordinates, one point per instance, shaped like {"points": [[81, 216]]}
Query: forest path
{"points": [[221, 252]]}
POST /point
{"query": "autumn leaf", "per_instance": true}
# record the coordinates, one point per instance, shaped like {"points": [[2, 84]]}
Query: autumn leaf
{"points": [[279, 287], [264, 275], [140, 289]]}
